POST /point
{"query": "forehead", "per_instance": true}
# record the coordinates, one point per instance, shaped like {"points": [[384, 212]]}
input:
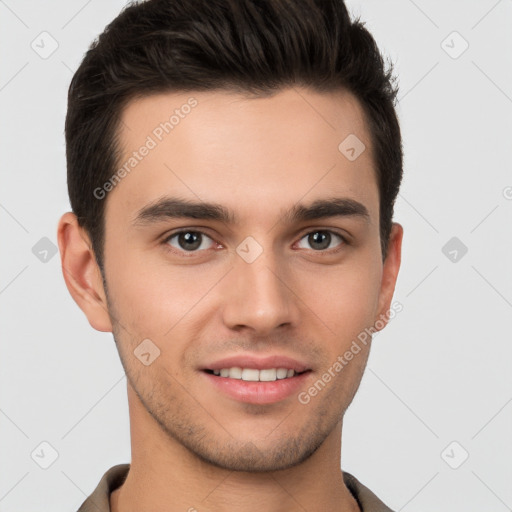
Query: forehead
{"points": [[245, 152]]}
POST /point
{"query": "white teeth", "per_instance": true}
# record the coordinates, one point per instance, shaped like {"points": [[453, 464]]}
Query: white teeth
{"points": [[268, 375], [249, 374], [254, 375], [282, 373], [235, 373]]}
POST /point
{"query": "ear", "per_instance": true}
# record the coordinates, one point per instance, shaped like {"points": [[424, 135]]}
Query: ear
{"points": [[389, 274], [81, 272]]}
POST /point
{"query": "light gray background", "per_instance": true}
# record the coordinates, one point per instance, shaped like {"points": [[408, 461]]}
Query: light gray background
{"points": [[440, 372]]}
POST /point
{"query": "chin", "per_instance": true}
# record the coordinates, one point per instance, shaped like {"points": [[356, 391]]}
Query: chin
{"points": [[247, 457]]}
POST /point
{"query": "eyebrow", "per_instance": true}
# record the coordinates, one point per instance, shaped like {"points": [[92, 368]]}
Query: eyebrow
{"points": [[175, 208]]}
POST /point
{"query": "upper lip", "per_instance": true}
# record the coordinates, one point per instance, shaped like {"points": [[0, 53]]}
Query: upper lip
{"points": [[258, 363]]}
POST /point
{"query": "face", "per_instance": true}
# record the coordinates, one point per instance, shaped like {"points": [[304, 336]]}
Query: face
{"points": [[244, 242]]}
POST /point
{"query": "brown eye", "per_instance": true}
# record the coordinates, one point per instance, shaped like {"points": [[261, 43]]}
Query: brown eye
{"points": [[189, 241]]}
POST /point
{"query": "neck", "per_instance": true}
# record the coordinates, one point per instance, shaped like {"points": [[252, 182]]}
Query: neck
{"points": [[165, 474]]}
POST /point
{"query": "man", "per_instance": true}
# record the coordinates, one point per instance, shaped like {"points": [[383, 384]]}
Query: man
{"points": [[232, 169]]}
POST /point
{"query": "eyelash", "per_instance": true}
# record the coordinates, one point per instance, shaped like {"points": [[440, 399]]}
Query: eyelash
{"points": [[189, 254]]}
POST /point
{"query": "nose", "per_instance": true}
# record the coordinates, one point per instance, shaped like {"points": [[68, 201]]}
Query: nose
{"points": [[258, 296]]}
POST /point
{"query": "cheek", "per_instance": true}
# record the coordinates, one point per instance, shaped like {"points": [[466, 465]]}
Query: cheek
{"points": [[154, 299], [344, 298]]}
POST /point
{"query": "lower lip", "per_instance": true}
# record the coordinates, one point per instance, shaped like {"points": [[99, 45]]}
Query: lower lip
{"points": [[258, 392]]}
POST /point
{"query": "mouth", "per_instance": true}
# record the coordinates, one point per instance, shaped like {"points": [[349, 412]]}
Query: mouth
{"points": [[254, 374], [257, 381]]}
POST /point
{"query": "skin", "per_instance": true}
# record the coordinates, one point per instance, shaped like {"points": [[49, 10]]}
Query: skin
{"points": [[193, 446]]}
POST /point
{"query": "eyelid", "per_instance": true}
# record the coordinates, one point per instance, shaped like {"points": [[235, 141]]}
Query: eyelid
{"points": [[336, 231], [193, 229]]}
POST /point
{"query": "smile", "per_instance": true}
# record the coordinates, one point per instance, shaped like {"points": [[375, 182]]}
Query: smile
{"points": [[255, 375]]}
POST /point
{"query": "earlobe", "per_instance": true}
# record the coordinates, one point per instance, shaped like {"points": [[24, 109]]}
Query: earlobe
{"points": [[81, 272], [390, 274]]}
